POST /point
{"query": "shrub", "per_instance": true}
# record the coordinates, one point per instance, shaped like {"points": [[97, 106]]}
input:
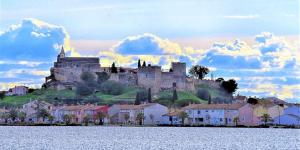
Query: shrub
{"points": [[102, 77], [83, 90], [203, 94], [87, 77], [112, 88]]}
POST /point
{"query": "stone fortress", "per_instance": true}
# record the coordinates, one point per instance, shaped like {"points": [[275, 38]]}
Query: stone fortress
{"points": [[65, 74]]}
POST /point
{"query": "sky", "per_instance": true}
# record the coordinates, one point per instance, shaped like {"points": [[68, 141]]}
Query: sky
{"points": [[254, 42]]}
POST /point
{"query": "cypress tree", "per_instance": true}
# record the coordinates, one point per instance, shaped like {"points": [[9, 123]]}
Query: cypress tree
{"points": [[139, 63], [209, 99], [175, 97], [144, 64], [149, 96], [137, 99], [114, 68]]}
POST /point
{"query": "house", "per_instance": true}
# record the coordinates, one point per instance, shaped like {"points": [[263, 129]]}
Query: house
{"points": [[94, 110], [291, 116], [240, 99], [17, 90], [128, 113], [212, 114], [32, 108], [171, 118], [76, 112]]}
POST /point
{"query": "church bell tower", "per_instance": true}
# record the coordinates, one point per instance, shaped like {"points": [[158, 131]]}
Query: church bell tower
{"points": [[61, 54]]}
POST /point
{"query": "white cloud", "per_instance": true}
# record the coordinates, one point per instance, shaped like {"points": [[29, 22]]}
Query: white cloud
{"points": [[33, 40], [241, 16]]}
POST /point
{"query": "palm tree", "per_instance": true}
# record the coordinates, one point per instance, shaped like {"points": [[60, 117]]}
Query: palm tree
{"points": [[182, 115], [67, 119], [51, 119], [43, 113], [126, 117], [140, 118], [22, 116], [86, 120], [236, 120], [265, 118], [5, 116], [13, 114], [100, 116]]}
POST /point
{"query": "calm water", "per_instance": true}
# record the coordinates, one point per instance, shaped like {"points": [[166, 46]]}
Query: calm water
{"points": [[147, 138]]}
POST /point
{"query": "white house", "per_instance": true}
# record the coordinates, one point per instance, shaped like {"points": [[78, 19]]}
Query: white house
{"points": [[17, 90], [152, 113], [171, 118], [31, 109], [212, 114]]}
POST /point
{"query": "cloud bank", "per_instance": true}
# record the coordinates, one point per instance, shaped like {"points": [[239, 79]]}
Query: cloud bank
{"points": [[268, 67]]}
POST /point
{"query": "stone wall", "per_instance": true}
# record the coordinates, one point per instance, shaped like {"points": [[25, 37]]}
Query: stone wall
{"points": [[150, 77]]}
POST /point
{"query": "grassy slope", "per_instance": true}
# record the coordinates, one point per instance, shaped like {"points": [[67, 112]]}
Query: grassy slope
{"points": [[184, 97]]}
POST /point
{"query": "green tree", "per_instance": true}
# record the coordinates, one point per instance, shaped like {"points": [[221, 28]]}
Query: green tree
{"points": [[198, 71], [175, 96], [87, 77], [236, 120], [265, 118], [252, 101], [126, 117], [140, 118], [67, 119], [2, 95], [137, 99], [112, 88], [209, 99], [149, 96], [182, 115], [51, 119], [43, 113], [220, 80], [230, 86], [100, 116], [203, 94], [144, 64], [22, 116], [83, 90], [13, 114], [5, 116], [139, 63], [86, 120], [102, 77], [113, 68]]}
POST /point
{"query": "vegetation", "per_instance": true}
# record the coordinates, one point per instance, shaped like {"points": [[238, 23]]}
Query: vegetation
{"points": [[22, 116], [144, 64], [100, 116], [203, 94], [198, 72], [175, 96], [113, 68], [102, 77], [236, 120], [67, 119], [149, 96], [139, 63], [140, 118], [43, 113], [182, 115], [230, 86], [265, 118], [111, 88], [2, 95], [126, 117], [13, 114], [252, 101]]}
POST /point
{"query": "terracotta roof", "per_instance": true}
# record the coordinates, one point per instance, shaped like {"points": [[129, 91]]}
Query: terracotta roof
{"points": [[141, 106], [175, 113], [213, 106]]}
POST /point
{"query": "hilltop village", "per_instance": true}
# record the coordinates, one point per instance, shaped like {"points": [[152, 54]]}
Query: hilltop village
{"points": [[79, 91]]}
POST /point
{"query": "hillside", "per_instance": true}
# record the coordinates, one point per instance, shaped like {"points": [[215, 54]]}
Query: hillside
{"points": [[127, 96]]}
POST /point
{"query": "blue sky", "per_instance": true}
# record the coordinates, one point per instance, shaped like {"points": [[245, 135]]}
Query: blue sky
{"points": [[256, 42]]}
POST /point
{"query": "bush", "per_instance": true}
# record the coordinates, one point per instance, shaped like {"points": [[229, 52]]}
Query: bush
{"points": [[102, 77], [111, 87], [83, 90], [203, 94], [87, 77]]}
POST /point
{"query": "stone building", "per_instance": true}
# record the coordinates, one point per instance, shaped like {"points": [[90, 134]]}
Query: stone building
{"points": [[67, 70]]}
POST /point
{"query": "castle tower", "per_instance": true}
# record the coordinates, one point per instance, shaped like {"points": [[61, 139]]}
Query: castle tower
{"points": [[179, 68], [61, 54]]}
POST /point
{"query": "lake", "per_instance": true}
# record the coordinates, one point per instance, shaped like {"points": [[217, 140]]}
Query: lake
{"points": [[148, 138]]}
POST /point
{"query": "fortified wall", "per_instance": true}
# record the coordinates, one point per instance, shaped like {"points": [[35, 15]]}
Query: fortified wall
{"points": [[66, 72]]}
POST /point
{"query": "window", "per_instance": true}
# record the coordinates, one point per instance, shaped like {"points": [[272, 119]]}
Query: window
{"points": [[221, 119], [199, 112]]}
